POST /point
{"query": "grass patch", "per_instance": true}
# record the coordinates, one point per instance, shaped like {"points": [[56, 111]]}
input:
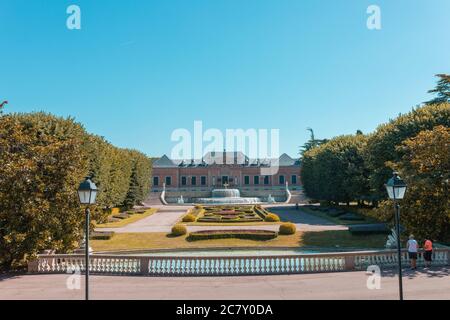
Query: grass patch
{"points": [[133, 218], [343, 239], [337, 220], [135, 241], [325, 239]]}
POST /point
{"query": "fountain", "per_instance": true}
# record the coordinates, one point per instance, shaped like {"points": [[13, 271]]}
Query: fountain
{"points": [[228, 196], [270, 199], [180, 200], [391, 242]]}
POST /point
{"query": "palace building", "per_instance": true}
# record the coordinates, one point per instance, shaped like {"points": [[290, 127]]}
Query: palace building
{"points": [[196, 178]]}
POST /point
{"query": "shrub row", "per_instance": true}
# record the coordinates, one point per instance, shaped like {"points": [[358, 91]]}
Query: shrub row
{"points": [[237, 234], [101, 235]]}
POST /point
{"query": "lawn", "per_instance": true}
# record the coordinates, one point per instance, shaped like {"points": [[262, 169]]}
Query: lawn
{"points": [[326, 239], [133, 218], [336, 220]]}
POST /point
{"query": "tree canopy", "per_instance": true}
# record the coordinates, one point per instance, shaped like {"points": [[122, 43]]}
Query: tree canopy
{"points": [[43, 159]]}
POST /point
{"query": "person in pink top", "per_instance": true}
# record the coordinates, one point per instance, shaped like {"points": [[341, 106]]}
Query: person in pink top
{"points": [[428, 252]]}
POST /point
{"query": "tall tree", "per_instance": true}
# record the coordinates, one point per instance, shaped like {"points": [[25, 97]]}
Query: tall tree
{"points": [[442, 90], [335, 171], [425, 166], [382, 144], [312, 142]]}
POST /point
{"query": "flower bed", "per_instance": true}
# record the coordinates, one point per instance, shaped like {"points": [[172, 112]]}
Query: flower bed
{"points": [[231, 213], [237, 234]]}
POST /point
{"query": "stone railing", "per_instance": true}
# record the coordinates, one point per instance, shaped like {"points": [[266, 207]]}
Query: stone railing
{"points": [[227, 266]]}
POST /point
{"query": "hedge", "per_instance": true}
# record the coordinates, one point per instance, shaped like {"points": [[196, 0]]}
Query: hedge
{"points": [[228, 234], [101, 235]]}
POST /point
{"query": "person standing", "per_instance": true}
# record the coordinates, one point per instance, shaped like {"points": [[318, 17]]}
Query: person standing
{"points": [[428, 252], [412, 251]]}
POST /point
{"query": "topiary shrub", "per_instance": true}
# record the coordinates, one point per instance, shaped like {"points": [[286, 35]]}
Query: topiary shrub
{"points": [[188, 218], [179, 230], [272, 217], [287, 228]]}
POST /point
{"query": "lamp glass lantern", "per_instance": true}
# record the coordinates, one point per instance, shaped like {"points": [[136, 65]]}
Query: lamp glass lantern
{"points": [[87, 192], [396, 187]]}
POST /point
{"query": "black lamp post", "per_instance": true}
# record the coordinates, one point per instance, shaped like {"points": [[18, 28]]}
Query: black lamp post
{"points": [[396, 189], [87, 192]]}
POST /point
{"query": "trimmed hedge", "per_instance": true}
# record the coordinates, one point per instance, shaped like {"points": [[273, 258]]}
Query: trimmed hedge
{"points": [[179, 230], [272, 217], [369, 229], [236, 234], [101, 235], [188, 218], [287, 228]]}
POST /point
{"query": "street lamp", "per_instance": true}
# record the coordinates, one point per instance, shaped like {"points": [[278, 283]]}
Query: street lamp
{"points": [[396, 189], [87, 192]]}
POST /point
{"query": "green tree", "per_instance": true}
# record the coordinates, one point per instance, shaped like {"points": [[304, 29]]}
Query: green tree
{"points": [[312, 142], [41, 160], [425, 166], [381, 145], [335, 171], [139, 180], [442, 90]]}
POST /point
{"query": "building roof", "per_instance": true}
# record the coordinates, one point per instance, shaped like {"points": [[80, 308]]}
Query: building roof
{"points": [[231, 158]]}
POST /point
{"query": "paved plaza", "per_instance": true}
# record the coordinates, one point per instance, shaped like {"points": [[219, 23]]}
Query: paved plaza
{"points": [[433, 284], [167, 216]]}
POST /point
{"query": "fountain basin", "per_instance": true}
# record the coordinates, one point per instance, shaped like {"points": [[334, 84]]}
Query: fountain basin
{"points": [[228, 196]]}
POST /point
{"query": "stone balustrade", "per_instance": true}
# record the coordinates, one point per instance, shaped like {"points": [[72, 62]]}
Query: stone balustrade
{"points": [[227, 266]]}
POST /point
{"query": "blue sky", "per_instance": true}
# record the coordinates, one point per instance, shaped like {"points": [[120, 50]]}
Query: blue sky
{"points": [[137, 70]]}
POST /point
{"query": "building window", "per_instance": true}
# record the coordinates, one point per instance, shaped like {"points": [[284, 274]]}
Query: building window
{"points": [[193, 180], [246, 180], [266, 179], [183, 181], [156, 181], [256, 180], [294, 179], [203, 180], [168, 181], [281, 179]]}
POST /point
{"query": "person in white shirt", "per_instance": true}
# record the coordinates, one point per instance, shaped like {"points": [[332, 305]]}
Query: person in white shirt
{"points": [[413, 247]]}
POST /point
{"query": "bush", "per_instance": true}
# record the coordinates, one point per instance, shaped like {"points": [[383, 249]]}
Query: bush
{"points": [[179, 230], [121, 216], [101, 235], [237, 234], [380, 228], [287, 228], [271, 217], [188, 218]]}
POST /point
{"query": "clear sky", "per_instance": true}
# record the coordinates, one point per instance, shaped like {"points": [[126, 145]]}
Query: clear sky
{"points": [[139, 69]]}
